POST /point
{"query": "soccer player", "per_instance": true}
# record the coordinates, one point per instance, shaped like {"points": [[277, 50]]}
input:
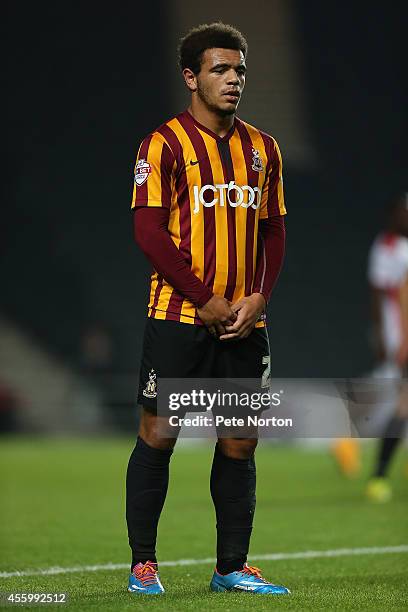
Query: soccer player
{"points": [[208, 214], [388, 276]]}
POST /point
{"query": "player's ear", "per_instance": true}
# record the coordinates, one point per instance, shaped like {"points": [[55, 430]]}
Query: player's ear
{"points": [[190, 79]]}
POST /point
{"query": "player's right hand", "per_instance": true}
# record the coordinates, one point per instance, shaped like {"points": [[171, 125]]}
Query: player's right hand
{"points": [[216, 314]]}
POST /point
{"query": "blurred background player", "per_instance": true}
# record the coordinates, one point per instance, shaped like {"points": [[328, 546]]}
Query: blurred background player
{"points": [[388, 278]]}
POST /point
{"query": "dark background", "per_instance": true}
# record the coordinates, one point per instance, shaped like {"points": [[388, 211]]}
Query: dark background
{"points": [[85, 83]]}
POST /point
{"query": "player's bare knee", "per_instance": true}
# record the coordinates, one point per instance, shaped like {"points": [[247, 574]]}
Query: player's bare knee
{"points": [[156, 441], [238, 448], [152, 432]]}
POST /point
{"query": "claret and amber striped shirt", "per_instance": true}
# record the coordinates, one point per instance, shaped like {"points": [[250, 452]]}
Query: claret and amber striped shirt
{"points": [[216, 190]]}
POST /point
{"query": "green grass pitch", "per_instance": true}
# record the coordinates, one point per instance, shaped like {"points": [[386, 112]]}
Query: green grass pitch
{"points": [[63, 505]]}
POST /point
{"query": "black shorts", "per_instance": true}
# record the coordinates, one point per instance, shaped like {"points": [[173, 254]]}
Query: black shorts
{"points": [[182, 350]]}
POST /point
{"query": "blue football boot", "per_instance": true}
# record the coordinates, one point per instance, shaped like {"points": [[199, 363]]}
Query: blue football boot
{"points": [[248, 580], [144, 580]]}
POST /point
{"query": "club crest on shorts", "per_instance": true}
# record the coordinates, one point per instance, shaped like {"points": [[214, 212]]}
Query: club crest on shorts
{"points": [[257, 164], [150, 389], [142, 171]]}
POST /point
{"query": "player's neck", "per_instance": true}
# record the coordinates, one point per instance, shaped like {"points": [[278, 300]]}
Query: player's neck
{"points": [[218, 124]]}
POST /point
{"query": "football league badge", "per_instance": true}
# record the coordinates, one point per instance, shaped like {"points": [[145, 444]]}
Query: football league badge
{"points": [[151, 386], [142, 171], [257, 164]]}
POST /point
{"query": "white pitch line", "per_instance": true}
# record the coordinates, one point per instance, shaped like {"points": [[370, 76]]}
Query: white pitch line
{"points": [[307, 554]]}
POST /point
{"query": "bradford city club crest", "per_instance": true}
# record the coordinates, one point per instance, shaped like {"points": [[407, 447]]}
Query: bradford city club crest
{"points": [[256, 161], [151, 386], [142, 171]]}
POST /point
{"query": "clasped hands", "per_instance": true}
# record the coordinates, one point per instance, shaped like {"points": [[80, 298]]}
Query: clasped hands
{"points": [[228, 321]]}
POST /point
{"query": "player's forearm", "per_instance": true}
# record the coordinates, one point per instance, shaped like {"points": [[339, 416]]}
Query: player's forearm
{"points": [[152, 236], [271, 251]]}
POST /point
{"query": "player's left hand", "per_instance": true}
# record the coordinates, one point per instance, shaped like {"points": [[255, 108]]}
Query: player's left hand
{"points": [[248, 310]]}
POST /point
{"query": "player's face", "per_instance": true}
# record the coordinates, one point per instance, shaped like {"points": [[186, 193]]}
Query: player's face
{"points": [[221, 80]]}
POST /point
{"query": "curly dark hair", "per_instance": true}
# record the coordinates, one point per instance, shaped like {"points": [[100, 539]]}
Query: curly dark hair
{"points": [[208, 36]]}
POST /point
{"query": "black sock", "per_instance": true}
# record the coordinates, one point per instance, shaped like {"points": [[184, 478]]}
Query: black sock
{"points": [[146, 487], [233, 483], [389, 444]]}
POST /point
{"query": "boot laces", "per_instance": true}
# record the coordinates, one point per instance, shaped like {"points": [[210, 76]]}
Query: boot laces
{"points": [[251, 570], [146, 573]]}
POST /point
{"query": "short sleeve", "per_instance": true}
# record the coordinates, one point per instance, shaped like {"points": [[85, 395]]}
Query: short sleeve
{"points": [[272, 200], [153, 173], [388, 263]]}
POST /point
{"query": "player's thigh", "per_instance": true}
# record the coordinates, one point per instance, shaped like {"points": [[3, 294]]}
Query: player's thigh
{"points": [[245, 358], [172, 350]]}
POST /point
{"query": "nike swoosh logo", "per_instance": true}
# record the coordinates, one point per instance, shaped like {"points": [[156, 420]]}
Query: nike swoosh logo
{"points": [[193, 163]]}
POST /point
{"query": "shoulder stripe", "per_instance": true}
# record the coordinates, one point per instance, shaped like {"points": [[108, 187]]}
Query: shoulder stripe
{"points": [[173, 142]]}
